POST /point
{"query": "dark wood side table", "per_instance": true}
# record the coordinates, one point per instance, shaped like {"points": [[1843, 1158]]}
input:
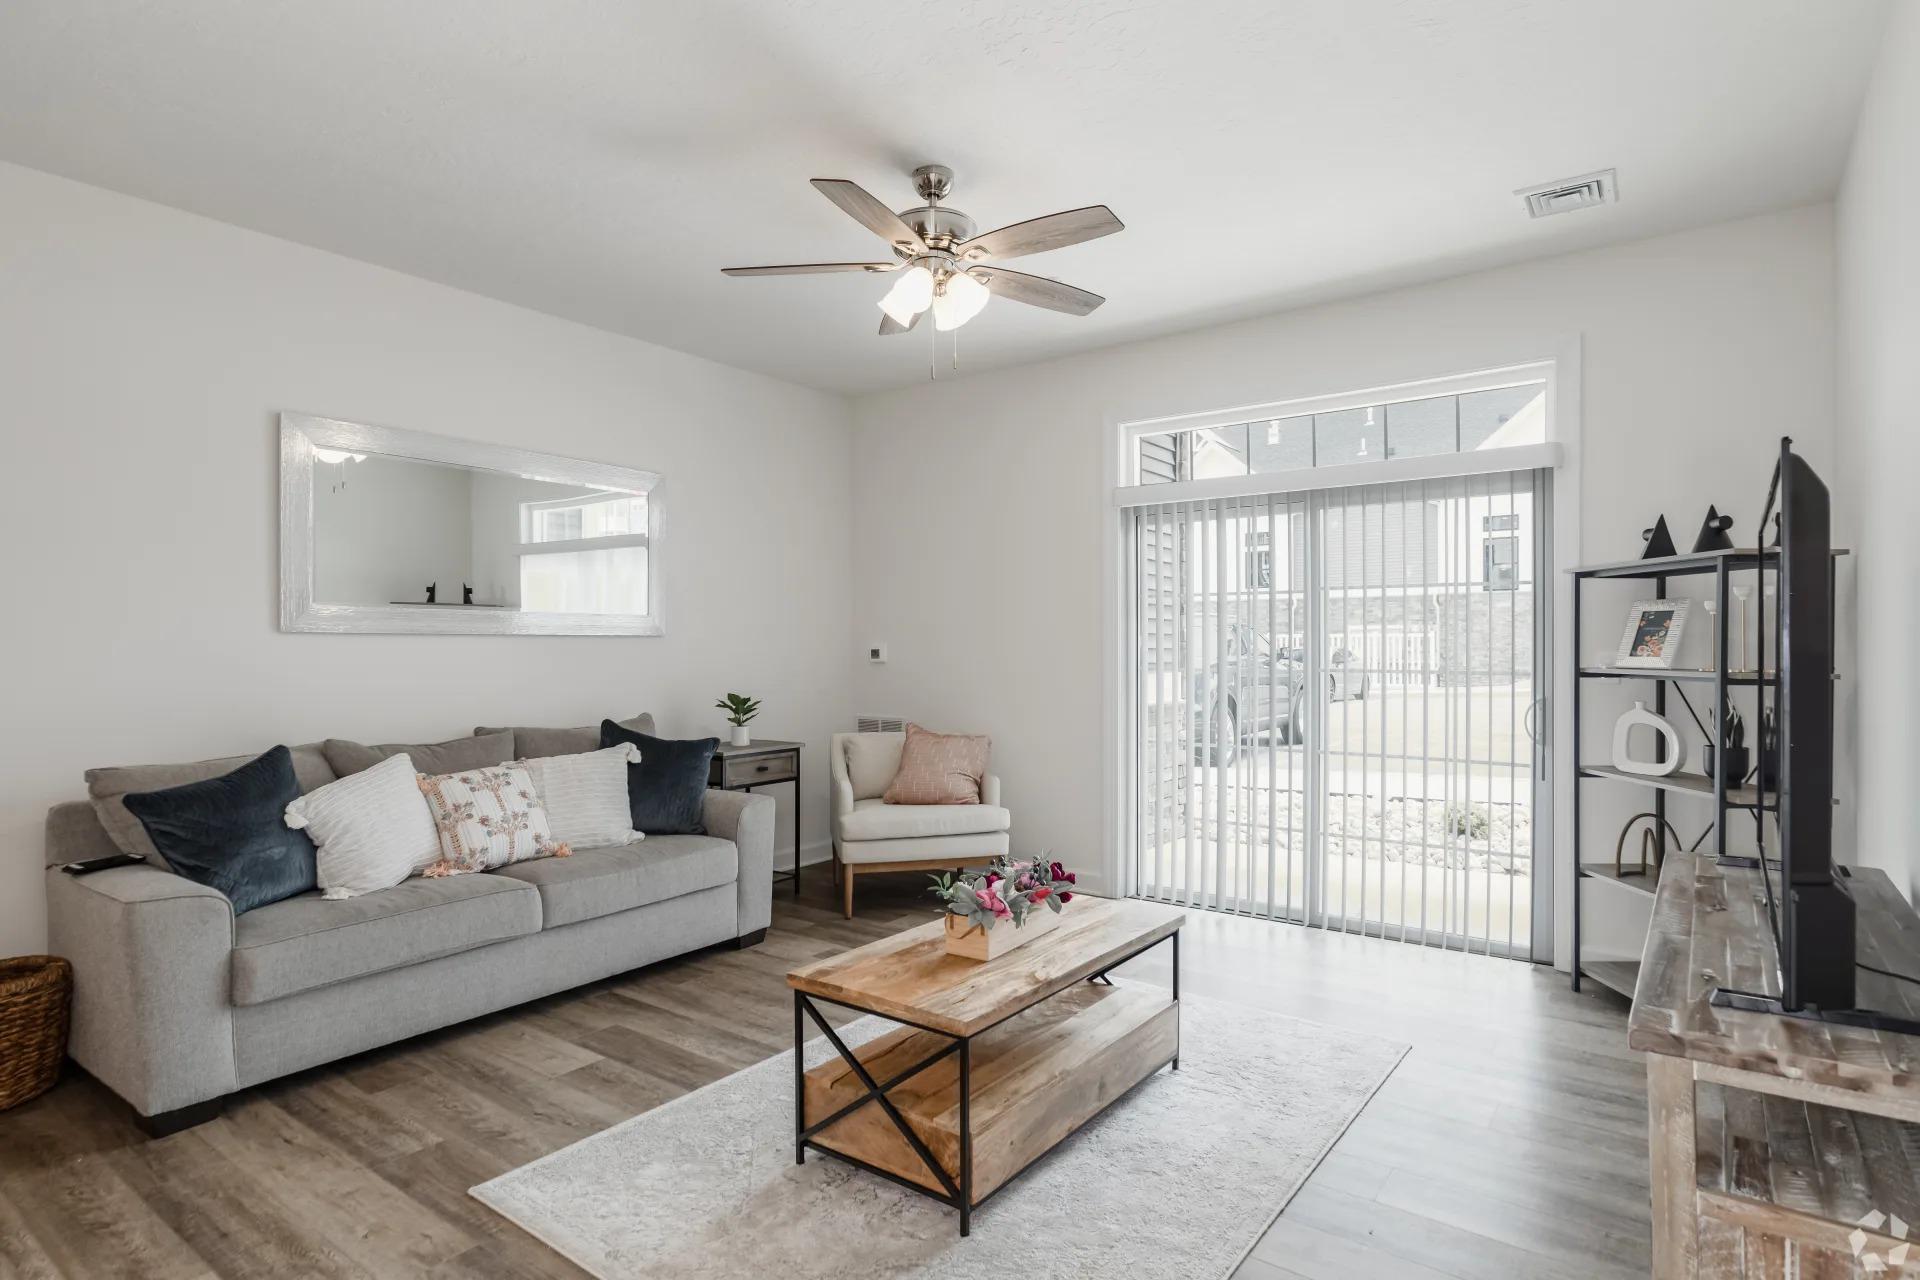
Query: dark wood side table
{"points": [[764, 763]]}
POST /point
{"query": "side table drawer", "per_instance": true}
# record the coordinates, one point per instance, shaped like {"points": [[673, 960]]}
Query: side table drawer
{"points": [[779, 766]]}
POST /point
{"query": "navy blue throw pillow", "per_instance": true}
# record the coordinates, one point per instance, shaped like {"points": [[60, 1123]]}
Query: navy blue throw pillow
{"points": [[230, 833], [667, 790]]}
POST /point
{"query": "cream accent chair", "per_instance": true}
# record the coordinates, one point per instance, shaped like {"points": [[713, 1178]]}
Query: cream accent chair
{"points": [[870, 835]]}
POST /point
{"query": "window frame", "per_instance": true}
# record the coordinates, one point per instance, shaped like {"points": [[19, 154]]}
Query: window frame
{"points": [[1131, 492]]}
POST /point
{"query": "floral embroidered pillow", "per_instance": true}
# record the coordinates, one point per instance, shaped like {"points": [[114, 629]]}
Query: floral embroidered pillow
{"points": [[487, 818]]}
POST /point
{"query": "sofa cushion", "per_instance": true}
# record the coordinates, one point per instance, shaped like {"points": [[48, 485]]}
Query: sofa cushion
{"points": [[586, 795], [667, 786], [451, 756], [228, 834], [487, 818], [878, 820], [529, 744], [872, 760], [940, 768], [373, 829], [599, 882], [107, 787], [308, 942]]}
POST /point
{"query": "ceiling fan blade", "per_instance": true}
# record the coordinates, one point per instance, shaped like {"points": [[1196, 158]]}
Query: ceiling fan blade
{"points": [[889, 325], [810, 268], [1037, 235], [1037, 291], [871, 214]]}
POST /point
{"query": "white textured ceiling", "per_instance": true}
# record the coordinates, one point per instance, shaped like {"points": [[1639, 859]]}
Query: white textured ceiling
{"points": [[602, 161]]}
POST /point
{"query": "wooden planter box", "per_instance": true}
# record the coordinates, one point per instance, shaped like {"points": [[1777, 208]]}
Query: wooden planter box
{"points": [[973, 942]]}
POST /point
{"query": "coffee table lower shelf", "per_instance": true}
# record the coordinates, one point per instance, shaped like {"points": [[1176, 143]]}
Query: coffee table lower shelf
{"points": [[1035, 1078]]}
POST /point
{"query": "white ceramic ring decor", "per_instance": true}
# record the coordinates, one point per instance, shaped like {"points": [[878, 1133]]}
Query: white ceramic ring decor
{"points": [[1623, 759]]}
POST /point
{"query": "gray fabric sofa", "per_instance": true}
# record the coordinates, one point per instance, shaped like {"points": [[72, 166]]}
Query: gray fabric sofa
{"points": [[178, 1003]]}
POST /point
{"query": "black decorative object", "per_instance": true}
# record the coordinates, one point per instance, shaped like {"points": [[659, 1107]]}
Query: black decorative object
{"points": [[1650, 843], [466, 594], [1659, 541], [432, 587], [230, 833], [1713, 533], [1769, 750], [1733, 755], [667, 790]]}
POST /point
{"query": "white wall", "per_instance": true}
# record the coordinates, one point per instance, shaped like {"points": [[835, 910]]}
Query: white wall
{"points": [[1878, 441], [981, 501], [144, 354]]}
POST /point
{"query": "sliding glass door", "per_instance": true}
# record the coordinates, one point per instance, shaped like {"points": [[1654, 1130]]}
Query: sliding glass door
{"points": [[1334, 714]]}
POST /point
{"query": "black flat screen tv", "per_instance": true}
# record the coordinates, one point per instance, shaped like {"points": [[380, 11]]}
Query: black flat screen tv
{"points": [[1811, 906]]}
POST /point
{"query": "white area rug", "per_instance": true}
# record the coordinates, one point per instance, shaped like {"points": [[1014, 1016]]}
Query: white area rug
{"points": [[1177, 1179]]}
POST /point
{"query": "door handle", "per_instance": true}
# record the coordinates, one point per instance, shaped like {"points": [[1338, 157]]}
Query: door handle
{"points": [[1539, 749]]}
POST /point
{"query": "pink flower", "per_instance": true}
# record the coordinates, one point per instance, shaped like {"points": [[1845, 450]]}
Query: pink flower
{"points": [[993, 878], [991, 901], [1065, 897], [1042, 893]]}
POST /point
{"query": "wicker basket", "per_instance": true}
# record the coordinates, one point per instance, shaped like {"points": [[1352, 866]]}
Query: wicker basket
{"points": [[34, 993]]}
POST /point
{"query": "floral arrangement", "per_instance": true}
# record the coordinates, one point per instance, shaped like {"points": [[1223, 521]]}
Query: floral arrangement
{"points": [[1009, 889]]}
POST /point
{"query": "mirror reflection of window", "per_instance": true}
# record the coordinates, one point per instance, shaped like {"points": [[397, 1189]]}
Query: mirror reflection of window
{"points": [[585, 553]]}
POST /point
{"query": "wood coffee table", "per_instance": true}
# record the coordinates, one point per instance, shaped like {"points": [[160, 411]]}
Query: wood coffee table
{"points": [[998, 1061]]}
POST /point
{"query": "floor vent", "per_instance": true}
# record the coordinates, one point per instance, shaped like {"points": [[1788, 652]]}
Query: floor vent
{"points": [[880, 724], [1568, 194]]}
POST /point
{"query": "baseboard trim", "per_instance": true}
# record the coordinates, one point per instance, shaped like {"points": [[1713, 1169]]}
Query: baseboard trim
{"points": [[811, 855]]}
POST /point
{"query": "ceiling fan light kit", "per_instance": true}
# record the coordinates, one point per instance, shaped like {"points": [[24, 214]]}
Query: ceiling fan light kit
{"points": [[940, 262]]}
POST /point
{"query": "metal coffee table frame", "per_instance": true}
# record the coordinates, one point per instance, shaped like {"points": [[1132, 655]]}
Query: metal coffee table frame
{"points": [[954, 1194]]}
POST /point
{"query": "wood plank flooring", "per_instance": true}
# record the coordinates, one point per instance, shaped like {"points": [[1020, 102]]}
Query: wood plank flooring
{"points": [[1510, 1143]]}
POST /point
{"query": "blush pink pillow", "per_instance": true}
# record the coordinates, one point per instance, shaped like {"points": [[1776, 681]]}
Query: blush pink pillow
{"points": [[939, 768]]}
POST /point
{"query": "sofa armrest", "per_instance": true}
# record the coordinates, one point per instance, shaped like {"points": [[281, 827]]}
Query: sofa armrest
{"points": [[990, 789], [152, 961], [747, 820]]}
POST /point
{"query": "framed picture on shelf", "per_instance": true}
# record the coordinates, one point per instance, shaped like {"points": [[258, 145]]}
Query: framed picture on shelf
{"points": [[1652, 637]]}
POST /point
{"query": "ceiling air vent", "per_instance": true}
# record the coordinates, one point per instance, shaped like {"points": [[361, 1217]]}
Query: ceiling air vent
{"points": [[1568, 194]]}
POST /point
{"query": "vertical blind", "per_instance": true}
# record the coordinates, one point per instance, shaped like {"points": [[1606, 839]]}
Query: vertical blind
{"points": [[1332, 706]]}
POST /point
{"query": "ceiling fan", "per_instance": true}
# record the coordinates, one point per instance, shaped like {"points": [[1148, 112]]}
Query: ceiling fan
{"points": [[943, 266]]}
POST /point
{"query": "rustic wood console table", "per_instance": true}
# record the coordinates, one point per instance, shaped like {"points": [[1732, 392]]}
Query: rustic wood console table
{"points": [[1772, 1137]]}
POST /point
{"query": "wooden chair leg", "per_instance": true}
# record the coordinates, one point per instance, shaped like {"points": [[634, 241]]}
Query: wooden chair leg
{"points": [[846, 873]]}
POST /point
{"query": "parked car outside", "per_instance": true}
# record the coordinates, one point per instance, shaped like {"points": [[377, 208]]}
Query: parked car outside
{"points": [[1258, 689]]}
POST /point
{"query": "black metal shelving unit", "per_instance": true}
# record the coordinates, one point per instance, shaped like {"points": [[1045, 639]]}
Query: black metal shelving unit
{"points": [[1619, 975]]}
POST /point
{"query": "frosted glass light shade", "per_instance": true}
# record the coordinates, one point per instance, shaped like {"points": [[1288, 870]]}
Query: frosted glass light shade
{"points": [[961, 300], [911, 294]]}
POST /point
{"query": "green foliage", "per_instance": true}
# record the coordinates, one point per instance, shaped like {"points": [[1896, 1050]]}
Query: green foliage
{"points": [[1471, 822], [739, 707]]}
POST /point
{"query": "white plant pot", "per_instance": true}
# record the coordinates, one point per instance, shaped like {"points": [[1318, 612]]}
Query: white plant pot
{"points": [[741, 737]]}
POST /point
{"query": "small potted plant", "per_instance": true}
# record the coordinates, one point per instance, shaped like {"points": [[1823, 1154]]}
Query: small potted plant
{"points": [[994, 910], [740, 709]]}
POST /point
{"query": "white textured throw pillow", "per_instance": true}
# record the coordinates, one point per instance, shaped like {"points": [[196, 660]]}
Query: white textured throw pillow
{"points": [[487, 818], [372, 829], [586, 795]]}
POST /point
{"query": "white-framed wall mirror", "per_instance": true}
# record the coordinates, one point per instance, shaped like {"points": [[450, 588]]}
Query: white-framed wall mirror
{"points": [[383, 530]]}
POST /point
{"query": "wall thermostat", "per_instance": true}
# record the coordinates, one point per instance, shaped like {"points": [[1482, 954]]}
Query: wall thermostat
{"points": [[876, 653]]}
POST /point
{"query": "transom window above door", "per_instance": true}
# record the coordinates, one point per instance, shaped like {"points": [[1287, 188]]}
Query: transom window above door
{"points": [[1494, 418]]}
